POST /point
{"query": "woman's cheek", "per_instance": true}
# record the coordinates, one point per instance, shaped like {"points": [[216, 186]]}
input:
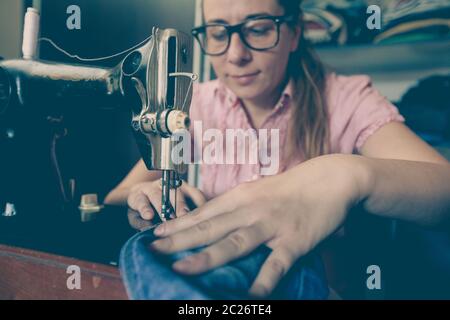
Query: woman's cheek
{"points": [[218, 66]]}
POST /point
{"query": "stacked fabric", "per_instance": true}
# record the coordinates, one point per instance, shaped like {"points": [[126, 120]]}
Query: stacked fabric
{"points": [[334, 22], [414, 20], [342, 22]]}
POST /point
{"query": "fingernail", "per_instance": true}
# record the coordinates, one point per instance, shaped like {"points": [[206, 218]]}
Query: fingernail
{"points": [[159, 231], [147, 215], [158, 244], [183, 265], [259, 291], [152, 248]]}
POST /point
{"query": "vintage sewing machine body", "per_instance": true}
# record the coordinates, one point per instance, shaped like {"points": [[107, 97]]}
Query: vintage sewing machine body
{"points": [[153, 80]]}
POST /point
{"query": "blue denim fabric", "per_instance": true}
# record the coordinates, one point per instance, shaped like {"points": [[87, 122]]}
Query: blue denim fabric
{"points": [[148, 276]]}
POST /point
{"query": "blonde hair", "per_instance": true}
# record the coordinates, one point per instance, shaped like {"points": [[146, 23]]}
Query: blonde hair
{"points": [[310, 116]]}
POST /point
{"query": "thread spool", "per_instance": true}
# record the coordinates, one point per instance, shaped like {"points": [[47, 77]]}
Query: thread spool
{"points": [[30, 34], [89, 207]]}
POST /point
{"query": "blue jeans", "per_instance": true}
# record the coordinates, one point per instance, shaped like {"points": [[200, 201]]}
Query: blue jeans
{"points": [[148, 276]]}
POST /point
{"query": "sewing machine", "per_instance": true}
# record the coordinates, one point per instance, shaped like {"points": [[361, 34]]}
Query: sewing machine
{"points": [[153, 80]]}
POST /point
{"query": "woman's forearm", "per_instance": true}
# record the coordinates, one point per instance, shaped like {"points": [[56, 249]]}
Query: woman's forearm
{"points": [[118, 196], [413, 191]]}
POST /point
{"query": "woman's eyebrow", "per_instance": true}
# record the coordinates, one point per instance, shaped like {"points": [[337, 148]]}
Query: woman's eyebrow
{"points": [[250, 16], [257, 15], [217, 21]]}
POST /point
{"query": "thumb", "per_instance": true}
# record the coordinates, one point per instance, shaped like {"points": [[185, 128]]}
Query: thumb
{"points": [[195, 194], [178, 200]]}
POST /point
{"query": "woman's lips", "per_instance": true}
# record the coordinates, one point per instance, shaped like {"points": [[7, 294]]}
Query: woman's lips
{"points": [[245, 79]]}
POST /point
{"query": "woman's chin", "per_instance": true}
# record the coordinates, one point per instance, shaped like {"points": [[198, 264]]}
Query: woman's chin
{"points": [[247, 92]]}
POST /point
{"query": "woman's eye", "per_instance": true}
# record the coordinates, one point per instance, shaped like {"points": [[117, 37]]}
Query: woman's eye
{"points": [[218, 35], [259, 31]]}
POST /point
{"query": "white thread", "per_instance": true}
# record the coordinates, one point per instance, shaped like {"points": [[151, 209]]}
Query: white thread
{"points": [[188, 93], [74, 56], [30, 34]]}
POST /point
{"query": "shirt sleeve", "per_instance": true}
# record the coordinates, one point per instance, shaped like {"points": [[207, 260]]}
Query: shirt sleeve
{"points": [[357, 111]]}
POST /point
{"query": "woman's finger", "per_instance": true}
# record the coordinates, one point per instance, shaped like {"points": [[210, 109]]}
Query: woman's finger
{"points": [[153, 194], [273, 270], [201, 234], [140, 202], [217, 206], [238, 244], [136, 221], [181, 206], [195, 194]]}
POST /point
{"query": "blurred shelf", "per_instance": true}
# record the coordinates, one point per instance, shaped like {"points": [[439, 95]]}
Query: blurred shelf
{"points": [[387, 58]]}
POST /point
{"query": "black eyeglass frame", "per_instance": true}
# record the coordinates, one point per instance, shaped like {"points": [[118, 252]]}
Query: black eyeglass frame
{"points": [[237, 28]]}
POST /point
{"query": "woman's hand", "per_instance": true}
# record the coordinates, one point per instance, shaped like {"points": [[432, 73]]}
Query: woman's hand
{"points": [[291, 213], [144, 201]]}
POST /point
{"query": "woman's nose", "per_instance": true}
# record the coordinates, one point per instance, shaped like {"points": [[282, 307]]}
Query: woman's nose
{"points": [[238, 53]]}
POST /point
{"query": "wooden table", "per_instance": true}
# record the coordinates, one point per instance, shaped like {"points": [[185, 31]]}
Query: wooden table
{"points": [[27, 274], [35, 256]]}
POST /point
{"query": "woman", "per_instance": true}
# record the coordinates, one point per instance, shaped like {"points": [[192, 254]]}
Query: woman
{"points": [[342, 144]]}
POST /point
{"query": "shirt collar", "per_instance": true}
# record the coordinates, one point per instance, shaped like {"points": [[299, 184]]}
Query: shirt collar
{"points": [[234, 102]]}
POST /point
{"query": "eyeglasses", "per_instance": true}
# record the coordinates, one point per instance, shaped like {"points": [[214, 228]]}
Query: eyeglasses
{"points": [[260, 33]]}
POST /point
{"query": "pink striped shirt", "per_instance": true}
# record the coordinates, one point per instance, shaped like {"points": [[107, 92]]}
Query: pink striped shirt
{"points": [[356, 111]]}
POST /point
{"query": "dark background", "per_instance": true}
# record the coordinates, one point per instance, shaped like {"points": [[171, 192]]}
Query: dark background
{"points": [[99, 149]]}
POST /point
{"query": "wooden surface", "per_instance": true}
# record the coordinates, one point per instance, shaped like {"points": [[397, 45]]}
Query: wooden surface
{"points": [[26, 274]]}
